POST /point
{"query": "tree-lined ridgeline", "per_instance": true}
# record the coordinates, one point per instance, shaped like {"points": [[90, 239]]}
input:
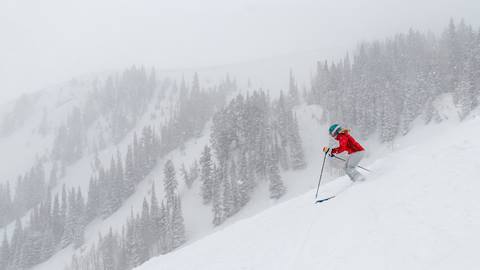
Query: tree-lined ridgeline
{"points": [[109, 185], [384, 85], [379, 89]]}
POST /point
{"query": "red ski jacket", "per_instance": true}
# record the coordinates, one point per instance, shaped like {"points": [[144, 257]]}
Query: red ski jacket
{"points": [[346, 143]]}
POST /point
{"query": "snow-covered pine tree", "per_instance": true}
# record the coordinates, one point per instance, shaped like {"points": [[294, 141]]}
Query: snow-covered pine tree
{"points": [[155, 222], [276, 187], [193, 173], [93, 200], [476, 64], [206, 175], [18, 238], [165, 233], [177, 224], [107, 249], [57, 224], [170, 183], [79, 218], [217, 197], [130, 242], [130, 175], [137, 158], [70, 221], [228, 203], [5, 253], [120, 188], [30, 250], [245, 181], [297, 156], [48, 245], [141, 249], [186, 177], [146, 234], [114, 195], [465, 91], [122, 251], [234, 186]]}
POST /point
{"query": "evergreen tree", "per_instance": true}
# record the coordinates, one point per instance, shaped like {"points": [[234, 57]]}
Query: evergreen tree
{"points": [[70, 221], [145, 222], [217, 202], [17, 244], [186, 177], [131, 243], [155, 223], [165, 233], [79, 219], [465, 90], [206, 175], [141, 248], [228, 203], [130, 179], [246, 184], [119, 181], [193, 173], [93, 200], [234, 187], [170, 183], [177, 224], [297, 155], [48, 245], [57, 221], [276, 187], [4, 253], [107, 249]]}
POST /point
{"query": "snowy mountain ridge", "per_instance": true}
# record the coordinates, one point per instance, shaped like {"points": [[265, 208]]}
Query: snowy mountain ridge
{"points": [[134, 166], [33, 140], [198, 217]]}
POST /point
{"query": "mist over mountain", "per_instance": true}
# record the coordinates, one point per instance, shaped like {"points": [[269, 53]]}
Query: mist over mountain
{"points": [[222, 126]]}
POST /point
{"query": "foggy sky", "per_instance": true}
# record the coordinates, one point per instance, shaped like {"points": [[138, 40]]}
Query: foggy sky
{"points": [[50, 41]]}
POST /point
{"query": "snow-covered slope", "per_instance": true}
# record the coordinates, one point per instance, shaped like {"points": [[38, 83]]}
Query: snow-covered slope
{"points": [[198, 217], [294, 234], [419, 209]]}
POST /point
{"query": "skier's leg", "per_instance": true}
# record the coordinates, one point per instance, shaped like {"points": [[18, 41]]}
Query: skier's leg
{"points": [[352, 173], [351, 164]]}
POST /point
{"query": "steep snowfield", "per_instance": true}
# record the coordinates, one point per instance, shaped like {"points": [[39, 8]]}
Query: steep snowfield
{"points": [[246, 236], [419, 209], [22, 148], [198, 217]]}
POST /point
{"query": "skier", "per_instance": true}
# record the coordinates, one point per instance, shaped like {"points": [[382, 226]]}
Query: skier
{"points": [[347, 143]]}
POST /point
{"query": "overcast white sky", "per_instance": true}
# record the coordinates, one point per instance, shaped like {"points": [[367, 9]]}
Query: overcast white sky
{"points": [[49, 41]]}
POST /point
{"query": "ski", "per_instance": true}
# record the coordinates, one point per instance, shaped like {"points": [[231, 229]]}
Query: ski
{"points": [[323, 200]]}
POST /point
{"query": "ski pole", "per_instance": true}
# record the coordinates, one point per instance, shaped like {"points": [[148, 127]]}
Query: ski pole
{"points": [[321, 173], [357, 165]]}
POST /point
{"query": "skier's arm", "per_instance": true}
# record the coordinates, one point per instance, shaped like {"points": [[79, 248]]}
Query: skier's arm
{"points": [[342, 145]]}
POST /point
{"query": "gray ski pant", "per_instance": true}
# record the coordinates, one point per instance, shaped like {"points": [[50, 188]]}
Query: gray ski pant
{"points": [[351, 164]]}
